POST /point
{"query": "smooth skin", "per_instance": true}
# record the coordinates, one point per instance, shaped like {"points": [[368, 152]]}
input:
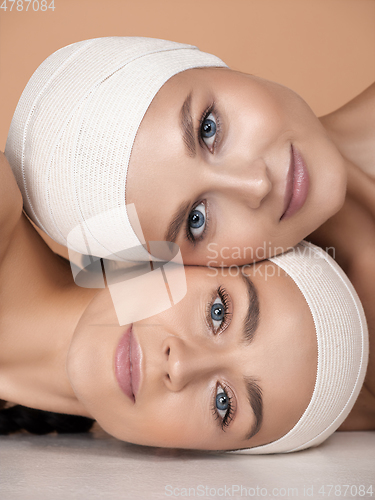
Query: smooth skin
{"points": [[237, 177]]}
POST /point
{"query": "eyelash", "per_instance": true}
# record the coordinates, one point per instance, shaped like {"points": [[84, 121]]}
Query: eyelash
{"points": [[225, 299], [211, 109], [224, 422]]}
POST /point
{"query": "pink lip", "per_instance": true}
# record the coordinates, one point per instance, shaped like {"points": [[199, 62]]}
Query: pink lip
{"points": [[128, 364], [297, 184]]}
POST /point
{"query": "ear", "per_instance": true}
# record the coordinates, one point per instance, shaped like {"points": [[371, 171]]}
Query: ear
{"points": [[10, 204]]}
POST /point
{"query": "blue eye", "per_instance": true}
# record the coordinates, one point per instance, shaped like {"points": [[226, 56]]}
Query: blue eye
{"points": [[209, 126], [208, 130], [197, 221], [222, 401], [223, 406], [217, 311]]}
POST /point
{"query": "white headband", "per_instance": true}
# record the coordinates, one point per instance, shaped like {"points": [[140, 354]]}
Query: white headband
{"points": [[72, 134], [342, 337]]}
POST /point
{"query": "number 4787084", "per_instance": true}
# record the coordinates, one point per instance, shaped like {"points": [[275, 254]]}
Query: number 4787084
{"points": [[25, 5]]}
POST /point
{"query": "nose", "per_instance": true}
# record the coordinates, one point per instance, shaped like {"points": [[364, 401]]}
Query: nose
{"points": [[244, 180], [184, 363]]}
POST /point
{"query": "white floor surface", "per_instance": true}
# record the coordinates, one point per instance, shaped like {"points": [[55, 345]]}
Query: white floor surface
{"points": [[99, 467]]}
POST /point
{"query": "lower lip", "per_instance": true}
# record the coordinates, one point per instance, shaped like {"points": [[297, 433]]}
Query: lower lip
{"points": [[301, 183], [127, 364]]}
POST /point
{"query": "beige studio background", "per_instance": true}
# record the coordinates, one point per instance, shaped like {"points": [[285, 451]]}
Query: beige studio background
{"points": [[322, 49]]}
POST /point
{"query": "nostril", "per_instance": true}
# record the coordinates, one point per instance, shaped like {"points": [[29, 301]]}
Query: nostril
{"points": [[168, 351]]}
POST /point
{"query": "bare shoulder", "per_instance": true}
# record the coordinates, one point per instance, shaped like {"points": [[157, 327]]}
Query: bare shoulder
{"points": [[10, 204]]}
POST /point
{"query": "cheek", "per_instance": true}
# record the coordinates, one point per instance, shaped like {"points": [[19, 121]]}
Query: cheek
{"points": [[285, 105], [172, 420], [271, 107]]}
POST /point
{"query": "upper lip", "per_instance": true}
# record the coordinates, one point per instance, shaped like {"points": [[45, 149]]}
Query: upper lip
{"points": [[297, 184], [289, 183]]}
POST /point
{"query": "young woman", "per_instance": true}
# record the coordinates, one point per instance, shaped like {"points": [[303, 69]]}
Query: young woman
{"points": [[231, 167], [272, 359]]}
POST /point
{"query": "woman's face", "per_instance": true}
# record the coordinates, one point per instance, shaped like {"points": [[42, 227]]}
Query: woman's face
{"points": [[212, 168], [233, 365]]}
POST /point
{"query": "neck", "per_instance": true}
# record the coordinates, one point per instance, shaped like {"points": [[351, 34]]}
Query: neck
{"points": [[41, 308], [352, 129]]}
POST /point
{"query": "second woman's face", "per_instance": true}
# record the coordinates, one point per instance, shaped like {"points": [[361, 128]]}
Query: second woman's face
{"points": [[232, 167], [232, 365]]}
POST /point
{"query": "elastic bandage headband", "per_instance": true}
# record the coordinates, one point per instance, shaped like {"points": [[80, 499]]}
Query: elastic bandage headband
{"points": [[72, 134], [342, 337]]}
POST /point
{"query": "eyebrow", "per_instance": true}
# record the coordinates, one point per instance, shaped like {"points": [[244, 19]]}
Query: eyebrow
{"points": [[252, 316], [187, 128], [251, 322], [254, 394], [177, 221]]}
